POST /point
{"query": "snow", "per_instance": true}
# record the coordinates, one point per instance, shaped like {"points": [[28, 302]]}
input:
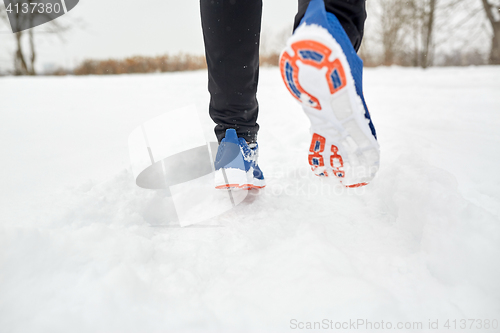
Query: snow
{"points": [[83, 249]]}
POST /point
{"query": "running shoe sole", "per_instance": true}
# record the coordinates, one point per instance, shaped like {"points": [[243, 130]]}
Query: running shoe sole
{"points": [[316, 72]]}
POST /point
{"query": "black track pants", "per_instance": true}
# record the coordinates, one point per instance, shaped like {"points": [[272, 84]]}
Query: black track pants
{"points": [[231, 30]]}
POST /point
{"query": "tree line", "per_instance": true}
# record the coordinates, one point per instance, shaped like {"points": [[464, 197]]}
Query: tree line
{"points": [[398, 32], [418, 32]]}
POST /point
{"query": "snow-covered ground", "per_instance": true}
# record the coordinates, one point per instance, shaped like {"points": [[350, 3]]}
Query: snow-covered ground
{"points": [[422, 242]]}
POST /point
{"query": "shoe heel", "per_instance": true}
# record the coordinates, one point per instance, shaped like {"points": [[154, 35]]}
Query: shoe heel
{"points": [[317, 55]]}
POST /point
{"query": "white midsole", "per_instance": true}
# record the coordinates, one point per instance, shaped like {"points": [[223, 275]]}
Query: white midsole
{"points": [[236, 177]]}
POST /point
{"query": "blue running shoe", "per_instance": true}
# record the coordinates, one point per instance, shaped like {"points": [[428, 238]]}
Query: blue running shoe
{"points": [[323, 72], [236, 164]]}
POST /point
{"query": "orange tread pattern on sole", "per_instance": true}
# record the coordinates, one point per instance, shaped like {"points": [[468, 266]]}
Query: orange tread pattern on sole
{"points": [[236, 186], [290, 76]]}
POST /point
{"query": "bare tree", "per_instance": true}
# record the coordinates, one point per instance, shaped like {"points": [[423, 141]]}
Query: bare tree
{"points": [[428, 24], [425, 32], [420, 28], [492, 9], [394, 16], [24, 59], [460, 34], [406, 31]]}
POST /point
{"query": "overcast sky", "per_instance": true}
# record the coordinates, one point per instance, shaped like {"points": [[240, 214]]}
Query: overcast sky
{"points": [[121, 28]]}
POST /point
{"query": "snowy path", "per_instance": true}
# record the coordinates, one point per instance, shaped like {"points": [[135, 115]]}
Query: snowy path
{"points": [[421, 243]]}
